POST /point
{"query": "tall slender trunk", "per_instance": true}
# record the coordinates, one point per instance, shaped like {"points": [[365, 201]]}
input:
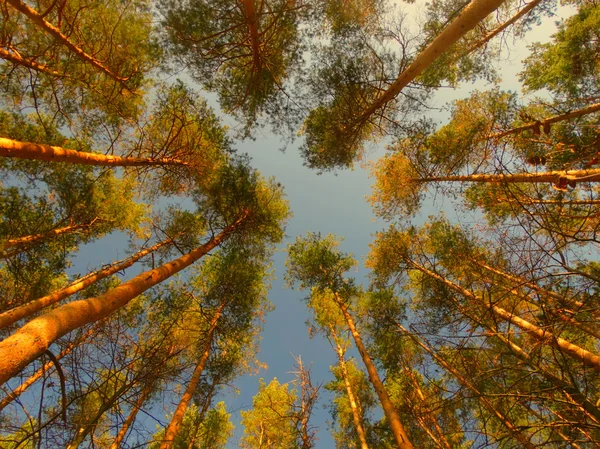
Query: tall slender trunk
{"points": [[391, 414], [466, 21], [555, 177], [586, 357], [48, 153], [356, 414], [43, 370], [12, 316], [132, 415], [173, 428], [30, 341], [519, 436], [252, 22], [39, 20], [522, 13], [34, 238], [545, 123], [440, 440], [14, 57], [200, 417]]}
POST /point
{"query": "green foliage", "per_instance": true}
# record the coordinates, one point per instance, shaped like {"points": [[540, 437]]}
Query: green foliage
{"points": [[75, 93], [211, 431], [568, 66], [270, 422], [245, 57]]}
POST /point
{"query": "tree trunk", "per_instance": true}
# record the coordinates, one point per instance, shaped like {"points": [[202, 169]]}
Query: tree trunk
{"points": [[522, 13], [519, 436], [20, 243], [14, 57], [40, 372], [131, 417], [545, 124], [390, 411], [30, 341], [37, 18], [555, 177], [48, 153], [12, 316], [202, 413], [466, 21], [252, 21], [173, 428], [586, 357], [356, 414]]}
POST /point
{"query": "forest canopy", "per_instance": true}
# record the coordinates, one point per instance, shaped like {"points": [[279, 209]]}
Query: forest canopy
{"points": [[124, 132]]}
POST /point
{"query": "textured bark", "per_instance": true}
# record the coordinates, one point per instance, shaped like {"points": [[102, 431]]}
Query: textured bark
{"points": [[356, 414], [519, 436], [14, 57], [173, 428], [34, 238], [116, 444], [48, 153], [466, 21], [12, 316], [578, 353], [548, 121], [555, 177], [391, 414], [39, 20], [30, 341]]}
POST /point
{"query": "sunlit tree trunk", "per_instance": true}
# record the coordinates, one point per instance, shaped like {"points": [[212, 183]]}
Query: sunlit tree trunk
{"points": [[30, 341], [572, 176], [356, 414], [43, 370], [545, 123], [391, 414], [12, 316], [489, 36], [39, 20], [48, 153], [14, 57], [116, 444], [474, 13], [173, 428]]}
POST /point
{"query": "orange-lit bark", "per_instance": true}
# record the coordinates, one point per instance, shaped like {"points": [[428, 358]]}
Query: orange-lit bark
{"points": [[39, 20], [30, 341], [474, 13], [14, 57], [12, 316], [116, 444], [356, 415], [48, 153], [40, 372], [391, 414]]}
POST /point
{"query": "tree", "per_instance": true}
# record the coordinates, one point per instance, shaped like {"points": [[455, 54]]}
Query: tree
{"points": [[316, 263], [269, 424]]}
